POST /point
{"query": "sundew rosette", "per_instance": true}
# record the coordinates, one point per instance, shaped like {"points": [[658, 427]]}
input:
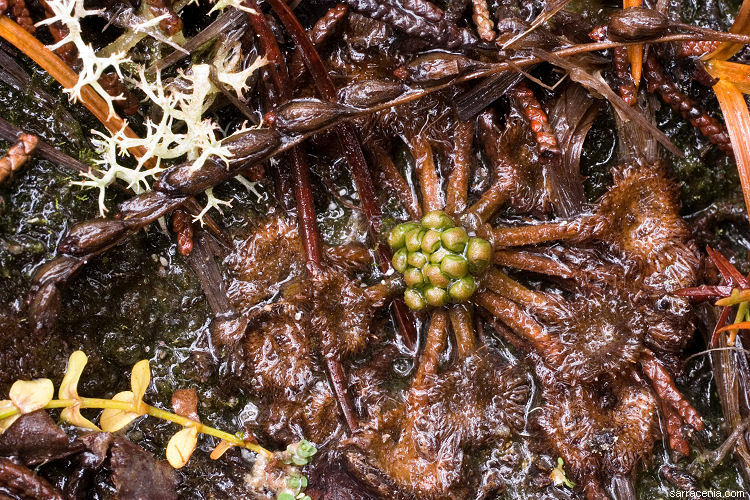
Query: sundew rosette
{"points": [[440, 262]]}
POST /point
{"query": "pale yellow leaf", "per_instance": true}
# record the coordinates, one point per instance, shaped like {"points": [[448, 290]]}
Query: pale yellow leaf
{"points": [[69, 385], [181, 446], [73, 416], [140, 377], [31, 395], [6, 405], [113, 420]]}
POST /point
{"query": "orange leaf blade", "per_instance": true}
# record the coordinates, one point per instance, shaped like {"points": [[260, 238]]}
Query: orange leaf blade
{"points": [[737, 119]]}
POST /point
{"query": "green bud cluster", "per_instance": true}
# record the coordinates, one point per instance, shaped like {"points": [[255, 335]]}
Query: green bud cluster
{"points": [[301, 452], [439, 261]]}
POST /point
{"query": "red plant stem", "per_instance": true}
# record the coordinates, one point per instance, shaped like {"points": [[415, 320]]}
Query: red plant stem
{"points": [[303, 195], [300, 171], [353, 153]]}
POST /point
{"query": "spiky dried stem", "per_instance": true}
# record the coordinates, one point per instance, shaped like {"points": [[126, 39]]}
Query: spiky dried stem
{"points": [[17, 155]]}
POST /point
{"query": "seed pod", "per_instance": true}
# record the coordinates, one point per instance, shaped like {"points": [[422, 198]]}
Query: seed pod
{"points": [[307, 115], [414, 299], [430, 241], [454, 266], [463, 289], [400, 260], [479, 254], [436, 277], [436, 296], [437, 67], [413, 239], [417, 259], [366, 93], [90, 236], [454, 239], [245, 147], [437, 219], [637, 23], [144, 205], [413, 277], [398, 234], [184, 179], [56, 271], [250, 145]]}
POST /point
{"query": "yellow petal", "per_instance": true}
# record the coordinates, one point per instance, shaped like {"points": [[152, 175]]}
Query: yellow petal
{"points": [[6, 405], [73, 416], [181, 446], [140, 377], [31, 395], [220, 449], [113, 420], [69, 385]]}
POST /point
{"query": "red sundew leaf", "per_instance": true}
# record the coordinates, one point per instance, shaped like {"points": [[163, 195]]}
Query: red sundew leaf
{"points": [[728, 271], [717, 329]]}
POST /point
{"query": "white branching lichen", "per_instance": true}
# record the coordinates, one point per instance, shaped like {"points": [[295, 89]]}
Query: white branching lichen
{"points": [[69, 13], [182, 131]]}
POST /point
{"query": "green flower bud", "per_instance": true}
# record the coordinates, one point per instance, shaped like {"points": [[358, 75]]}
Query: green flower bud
{"points": [[400, 260], [306, 449], [435, 275], [414, 299], [430, 241], [462, 289], [413, 239], [294, 482], [438, 255], [298, 460], [454, 266], [398, 234], [436, 296], [413, 277], [479, 254], [417, 259], [454, 239], [437, 219], [285, 495]]}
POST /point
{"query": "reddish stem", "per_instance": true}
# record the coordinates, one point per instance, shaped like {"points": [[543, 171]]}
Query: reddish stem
{"points": [[302, 193], [353, 153], [300, 171]]}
